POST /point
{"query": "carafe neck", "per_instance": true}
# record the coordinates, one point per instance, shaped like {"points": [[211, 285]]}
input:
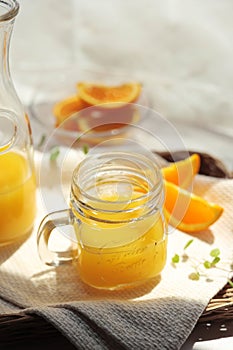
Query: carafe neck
{"points": [[8, 12], [5, 35], [14, 126]]}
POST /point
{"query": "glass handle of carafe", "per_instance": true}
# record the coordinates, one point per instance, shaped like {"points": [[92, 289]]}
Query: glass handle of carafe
{"points": [[8, 129]]}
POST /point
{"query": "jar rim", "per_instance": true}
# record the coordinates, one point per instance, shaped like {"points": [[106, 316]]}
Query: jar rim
{"points": [[12, 12], [155, 191]]}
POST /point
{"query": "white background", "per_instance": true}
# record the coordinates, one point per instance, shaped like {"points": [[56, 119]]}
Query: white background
{"points": [[182, 49]]}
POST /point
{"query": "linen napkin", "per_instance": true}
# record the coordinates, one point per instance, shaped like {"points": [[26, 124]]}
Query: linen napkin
{"points": [[159, 314]]}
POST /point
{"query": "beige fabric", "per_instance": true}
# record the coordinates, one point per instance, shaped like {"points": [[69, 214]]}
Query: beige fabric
{"points": [[27, 282]]}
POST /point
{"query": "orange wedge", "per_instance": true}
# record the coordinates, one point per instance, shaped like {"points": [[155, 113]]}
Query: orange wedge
{"points": [[65, 108], [112, 96], [188, 212], [181, 173]]}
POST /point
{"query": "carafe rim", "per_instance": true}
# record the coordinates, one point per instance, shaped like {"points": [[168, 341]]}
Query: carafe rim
{"points": [[13, 9]]}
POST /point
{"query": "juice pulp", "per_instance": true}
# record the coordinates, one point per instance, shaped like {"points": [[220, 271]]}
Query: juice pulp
{"points": [[17, 197], [113, 255]]}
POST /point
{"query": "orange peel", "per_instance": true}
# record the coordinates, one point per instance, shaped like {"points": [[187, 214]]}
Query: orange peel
{"points": [[109, 96], [187, 211], [65, 108], [181, 173]]}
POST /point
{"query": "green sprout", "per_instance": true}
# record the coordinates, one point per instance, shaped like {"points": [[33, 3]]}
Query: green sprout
{"points": [[188, 244], [208, 264], [194, 276], [176, 259], [230, 283], [85, 149], [215, 255], [42, 141], [54, 153]]}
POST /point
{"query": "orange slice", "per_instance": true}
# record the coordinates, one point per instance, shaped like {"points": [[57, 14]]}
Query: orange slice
{"points": [[65, 108], [111, 96], [188, 212], [181, 173]]}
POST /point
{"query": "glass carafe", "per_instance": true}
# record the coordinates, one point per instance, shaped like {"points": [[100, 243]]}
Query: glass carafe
{"points": [[17, 177]]}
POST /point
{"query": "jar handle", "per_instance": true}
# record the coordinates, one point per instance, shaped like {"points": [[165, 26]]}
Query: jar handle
{"points": [[49, 223]]}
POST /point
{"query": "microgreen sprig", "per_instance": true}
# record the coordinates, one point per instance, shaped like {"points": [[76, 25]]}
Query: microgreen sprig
{"points": [[42, 141], [188, 244], [230, 282], [215, 255], [207, 264], [54, 153], [85, 149], [194, 276], [176, 257]]}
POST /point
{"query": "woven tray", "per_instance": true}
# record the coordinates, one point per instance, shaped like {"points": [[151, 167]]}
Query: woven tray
{"points": [[220, 307], [30, 332]]}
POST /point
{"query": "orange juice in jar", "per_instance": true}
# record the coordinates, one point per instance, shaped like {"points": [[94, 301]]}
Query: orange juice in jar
{"points": [[136, 252], [116, 210]]}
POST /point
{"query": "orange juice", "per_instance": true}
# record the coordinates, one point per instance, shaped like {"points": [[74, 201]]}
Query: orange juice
{"points": [[121, 253], [17, 197], [116, 210]]}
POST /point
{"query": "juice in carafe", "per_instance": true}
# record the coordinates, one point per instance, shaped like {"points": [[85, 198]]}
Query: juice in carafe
{"points": [[17, 197]]}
